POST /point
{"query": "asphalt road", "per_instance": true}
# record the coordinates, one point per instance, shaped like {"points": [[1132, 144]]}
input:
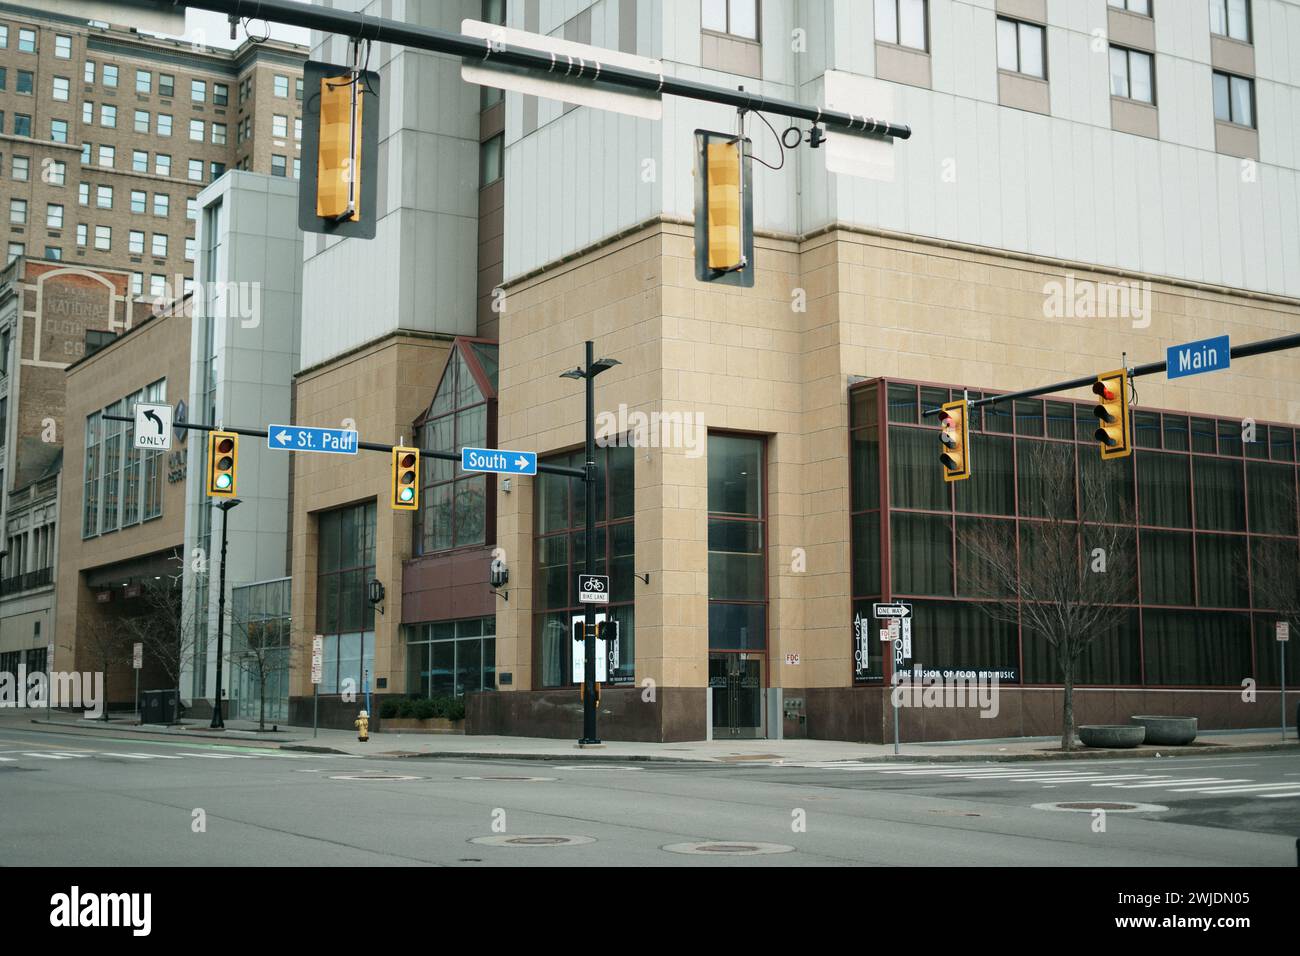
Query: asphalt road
{"points": [[79, 800]]}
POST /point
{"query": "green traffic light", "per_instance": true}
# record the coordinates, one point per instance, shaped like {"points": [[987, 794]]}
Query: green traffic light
{"points": [[223, 482], [407, 494]]}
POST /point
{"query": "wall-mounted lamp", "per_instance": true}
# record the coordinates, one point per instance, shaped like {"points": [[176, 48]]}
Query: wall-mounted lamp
{"points": [[499, 577], [375, 592], [643, 577], [505, 486]]}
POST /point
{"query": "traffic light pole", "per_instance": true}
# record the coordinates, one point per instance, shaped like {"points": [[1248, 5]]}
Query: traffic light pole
{"points": [[217, 722], [1261, 347], [379, 30], [589, 623]]}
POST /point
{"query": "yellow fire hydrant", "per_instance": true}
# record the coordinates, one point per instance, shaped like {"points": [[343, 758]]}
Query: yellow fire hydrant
{"points": [[362, 724]]}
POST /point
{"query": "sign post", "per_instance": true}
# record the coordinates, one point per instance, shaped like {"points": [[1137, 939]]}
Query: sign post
{"points": [[899, 633], [49, 678], [317, 668], [137, 661], [1283, 635]]}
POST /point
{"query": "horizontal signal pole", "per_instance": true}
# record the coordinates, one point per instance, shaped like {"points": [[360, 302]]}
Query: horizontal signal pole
{"points": [[363, 445], [379, 30], [1150, 368]]}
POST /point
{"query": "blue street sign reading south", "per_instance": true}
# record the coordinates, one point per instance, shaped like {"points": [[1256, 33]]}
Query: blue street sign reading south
{"points": [[499, 461], [330, 441], [1207, 355]]}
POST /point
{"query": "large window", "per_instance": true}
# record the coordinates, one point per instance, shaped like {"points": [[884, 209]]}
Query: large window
{"points": [[1020, 47], [1206, 504], [737, 535], [451, 658], [453, 503], [1234, 99], [559, 528], [344, 615], [1141, 7], [902, 22], [736, 17], [1130, 75], [1230, 18], [122, 484]]}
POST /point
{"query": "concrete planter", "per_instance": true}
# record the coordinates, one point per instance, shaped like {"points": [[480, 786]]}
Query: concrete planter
{"points": [[1112, 735], [1168, 731], [409, 725]]}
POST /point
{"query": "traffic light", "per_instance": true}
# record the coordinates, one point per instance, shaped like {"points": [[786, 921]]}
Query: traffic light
{"points": [[607, 630], [955, 439], [340, 141], [1114, 430], [223, 462], [406, 478], [724, 209]]}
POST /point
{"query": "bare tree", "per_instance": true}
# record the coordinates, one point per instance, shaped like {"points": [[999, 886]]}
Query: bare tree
{"points": [[264, 652], [166, 626], [106, 645], [1072, 572]]}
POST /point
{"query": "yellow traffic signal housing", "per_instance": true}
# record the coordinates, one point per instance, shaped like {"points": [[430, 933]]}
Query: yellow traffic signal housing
{"points": [[406, 478], [723, 192], [1114, 427], [954, 436], [338, 158], [340, 149], [724, 209], [223, 464]]}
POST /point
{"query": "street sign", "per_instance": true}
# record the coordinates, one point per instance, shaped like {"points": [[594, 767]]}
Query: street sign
{"points": [[891, 610], [580, 650], [329, 441], [153, 427], [1283, 631], [890, 631], [1206, 355], [317, 663], [498, 461], [137, 656], [573, 62], [593, 589]]}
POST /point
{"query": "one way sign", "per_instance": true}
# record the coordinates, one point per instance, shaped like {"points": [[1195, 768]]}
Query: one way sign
{"points": [[153, 427]]}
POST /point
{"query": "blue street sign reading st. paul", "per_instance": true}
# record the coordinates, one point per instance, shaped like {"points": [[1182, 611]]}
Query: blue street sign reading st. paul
{"points": [[1207, 355], [330, 441], [498, 461]]}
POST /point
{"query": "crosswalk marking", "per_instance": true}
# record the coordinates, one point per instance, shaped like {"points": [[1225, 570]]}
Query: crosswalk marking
{"points": [[1163, 782], [1216, 788]]}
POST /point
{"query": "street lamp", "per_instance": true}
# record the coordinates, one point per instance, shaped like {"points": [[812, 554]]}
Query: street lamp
{"points": [[588, 374], [225, 505]]}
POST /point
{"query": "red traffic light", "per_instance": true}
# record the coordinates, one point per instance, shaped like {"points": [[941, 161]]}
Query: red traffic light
{"points": [[1101, 388]]}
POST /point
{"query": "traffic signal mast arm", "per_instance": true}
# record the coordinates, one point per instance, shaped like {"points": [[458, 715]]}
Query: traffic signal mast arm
{"points": [[379, 30], [363, 445], [1262, 347]]}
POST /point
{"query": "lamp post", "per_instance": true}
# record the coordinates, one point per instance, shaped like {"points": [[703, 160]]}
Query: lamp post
{"points": [[225, 506], [589, 373]]}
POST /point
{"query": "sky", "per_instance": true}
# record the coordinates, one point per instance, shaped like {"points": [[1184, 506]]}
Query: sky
{"points": [[212, 29]]}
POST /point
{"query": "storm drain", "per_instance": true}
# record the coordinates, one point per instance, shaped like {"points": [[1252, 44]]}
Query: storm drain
{"points": [[523, 840], [723, 848], [513, 779], [1090, 806], [372, 776]]}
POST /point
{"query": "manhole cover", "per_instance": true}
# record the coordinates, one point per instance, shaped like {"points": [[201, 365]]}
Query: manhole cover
{"points": [[1091, 806], [711, 847], [534, 840], [513, 779], [372, 776]]}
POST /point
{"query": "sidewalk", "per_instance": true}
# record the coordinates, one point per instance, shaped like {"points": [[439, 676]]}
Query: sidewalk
{"points": [[244, 733]]}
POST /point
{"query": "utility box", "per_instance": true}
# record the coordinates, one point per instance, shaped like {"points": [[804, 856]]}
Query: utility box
{"points": [[159, 706]]}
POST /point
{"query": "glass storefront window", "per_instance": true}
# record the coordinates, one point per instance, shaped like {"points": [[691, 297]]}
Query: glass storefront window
{"points": [[451, 658], [344, 615], [737, 533]]}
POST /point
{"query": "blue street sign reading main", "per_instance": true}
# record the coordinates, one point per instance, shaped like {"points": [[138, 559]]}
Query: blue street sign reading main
{"points": [[1207, 355], [498, 461], [331, 441]]}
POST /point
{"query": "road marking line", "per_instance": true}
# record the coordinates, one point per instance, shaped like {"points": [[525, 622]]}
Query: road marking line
{"points": [[1167, 782], [105, 753], [9, 759], [210, 756], [1088, 779], [1278, 796], [47, 756], [1247, 789]]}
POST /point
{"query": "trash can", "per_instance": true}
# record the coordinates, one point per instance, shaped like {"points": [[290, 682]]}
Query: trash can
{"points": [[159, 706]]}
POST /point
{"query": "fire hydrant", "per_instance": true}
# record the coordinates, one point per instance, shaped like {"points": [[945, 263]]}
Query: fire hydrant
{"points": [[362, 723]]}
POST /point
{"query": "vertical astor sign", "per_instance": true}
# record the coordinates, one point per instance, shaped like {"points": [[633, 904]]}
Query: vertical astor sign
{"points": [[1207, 355]]}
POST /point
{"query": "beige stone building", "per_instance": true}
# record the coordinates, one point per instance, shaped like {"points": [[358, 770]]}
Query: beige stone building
{"points": [[766, 469]]}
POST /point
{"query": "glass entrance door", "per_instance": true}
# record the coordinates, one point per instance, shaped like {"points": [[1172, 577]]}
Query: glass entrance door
{"points": [[736, 683]]}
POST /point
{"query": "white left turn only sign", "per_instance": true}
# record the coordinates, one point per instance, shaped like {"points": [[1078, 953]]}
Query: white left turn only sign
{"points": [[153, 427]]}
